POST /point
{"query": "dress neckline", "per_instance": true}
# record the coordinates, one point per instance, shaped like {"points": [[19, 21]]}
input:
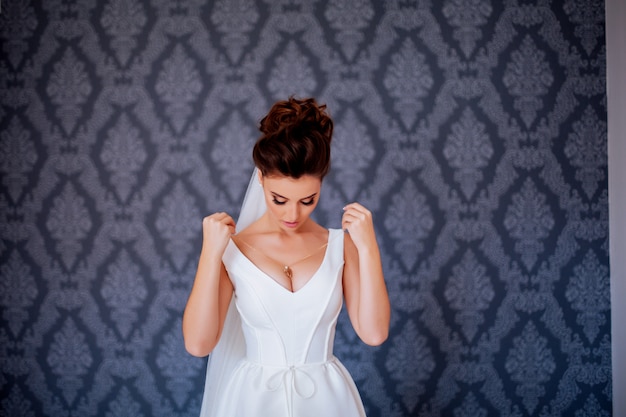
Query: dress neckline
{"points": [[274, 281]]}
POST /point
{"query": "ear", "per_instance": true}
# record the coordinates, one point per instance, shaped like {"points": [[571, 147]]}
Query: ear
{"points": [[260, 176]]}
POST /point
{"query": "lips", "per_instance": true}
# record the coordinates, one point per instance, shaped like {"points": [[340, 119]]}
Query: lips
{"points": [[290, 224]]}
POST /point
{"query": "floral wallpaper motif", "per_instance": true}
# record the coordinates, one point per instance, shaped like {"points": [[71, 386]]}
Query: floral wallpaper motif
{"points": [[474, 130]]}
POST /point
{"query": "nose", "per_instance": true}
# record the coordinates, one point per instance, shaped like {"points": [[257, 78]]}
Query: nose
{"points": [[293, 212]]}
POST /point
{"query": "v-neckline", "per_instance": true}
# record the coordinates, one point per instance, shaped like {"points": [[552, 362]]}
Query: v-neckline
{"points": [[280, 286]]}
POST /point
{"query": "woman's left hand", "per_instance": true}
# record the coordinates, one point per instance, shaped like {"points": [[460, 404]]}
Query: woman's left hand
{"points": [[357, 220], [364, 288]]}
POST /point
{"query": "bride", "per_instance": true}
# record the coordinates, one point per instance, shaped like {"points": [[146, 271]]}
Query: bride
{"points": [[268, 290]]}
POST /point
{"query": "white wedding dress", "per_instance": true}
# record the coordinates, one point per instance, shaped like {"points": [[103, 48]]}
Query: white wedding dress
{"points": [[289, 368], [275, 354]]}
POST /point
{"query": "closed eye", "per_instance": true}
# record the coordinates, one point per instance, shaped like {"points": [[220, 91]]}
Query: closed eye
{"points": [[278, 203], [307, 201]]}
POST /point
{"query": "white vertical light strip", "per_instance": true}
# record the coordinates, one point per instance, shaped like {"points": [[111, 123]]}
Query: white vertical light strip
{"points": [[616, 95]]}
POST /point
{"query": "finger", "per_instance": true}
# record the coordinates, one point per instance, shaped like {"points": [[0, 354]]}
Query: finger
{"points": [[357, 210], [215, 217], [351, 206], [220, 220], [355, 206], [353, 216], [347, 222], [224, 218]]}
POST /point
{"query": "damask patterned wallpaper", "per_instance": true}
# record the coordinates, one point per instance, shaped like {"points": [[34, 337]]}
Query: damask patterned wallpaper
{"points": [[475, 131]]}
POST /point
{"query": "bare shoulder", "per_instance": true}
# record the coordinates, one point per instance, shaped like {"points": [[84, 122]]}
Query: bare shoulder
{"points": [[251, 230], [319, 230]]}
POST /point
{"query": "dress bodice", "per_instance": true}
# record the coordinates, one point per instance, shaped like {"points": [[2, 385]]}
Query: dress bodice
{"points": [[284, 328]]}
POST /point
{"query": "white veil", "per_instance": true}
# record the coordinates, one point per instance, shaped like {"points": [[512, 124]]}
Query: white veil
{"points": [[231, 347]]}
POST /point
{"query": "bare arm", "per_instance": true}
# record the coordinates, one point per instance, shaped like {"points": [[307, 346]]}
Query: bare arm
{"points": [[212, 290], [365, 291]]}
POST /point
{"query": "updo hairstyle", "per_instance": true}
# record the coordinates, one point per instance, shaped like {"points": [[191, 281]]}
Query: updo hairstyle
{"points": [[295, 141]]}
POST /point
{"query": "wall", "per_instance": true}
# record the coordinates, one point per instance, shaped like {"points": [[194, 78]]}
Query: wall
{"points": [[616, 99], [475, 131]]}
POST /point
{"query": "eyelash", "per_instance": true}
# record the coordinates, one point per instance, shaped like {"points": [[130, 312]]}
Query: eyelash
{"points": [[306, 203], [278, 203]]}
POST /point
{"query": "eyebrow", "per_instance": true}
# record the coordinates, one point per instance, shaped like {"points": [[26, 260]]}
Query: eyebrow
{"points": [[304, 198]]}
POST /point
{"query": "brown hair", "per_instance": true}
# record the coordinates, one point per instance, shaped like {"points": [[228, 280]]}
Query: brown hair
{"points": [[296, 139]]}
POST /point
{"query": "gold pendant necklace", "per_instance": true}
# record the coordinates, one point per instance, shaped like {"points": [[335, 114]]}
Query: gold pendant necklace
{"points": [[286, 268]]}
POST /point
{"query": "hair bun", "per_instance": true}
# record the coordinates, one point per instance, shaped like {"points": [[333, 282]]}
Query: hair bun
{"points": [[294, 114], [296, 139]]}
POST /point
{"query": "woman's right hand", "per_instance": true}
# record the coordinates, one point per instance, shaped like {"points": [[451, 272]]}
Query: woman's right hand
{"points": [[212, 290], [217, 230]]}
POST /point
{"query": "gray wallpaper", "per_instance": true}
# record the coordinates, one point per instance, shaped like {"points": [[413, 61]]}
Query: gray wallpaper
{"points": [[475, 131]]}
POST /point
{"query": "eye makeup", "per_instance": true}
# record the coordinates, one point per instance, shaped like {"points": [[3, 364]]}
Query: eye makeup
{"points": [[278, 203], [307, 201]]}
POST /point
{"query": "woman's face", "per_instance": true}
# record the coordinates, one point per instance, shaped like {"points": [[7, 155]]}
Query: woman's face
{"points": [[290, 201]]}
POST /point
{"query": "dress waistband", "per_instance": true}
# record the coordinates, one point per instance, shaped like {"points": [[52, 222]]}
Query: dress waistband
{"points": [[293, 379]]}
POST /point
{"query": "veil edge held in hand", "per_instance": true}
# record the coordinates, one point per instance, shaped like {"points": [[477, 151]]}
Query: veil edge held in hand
{"points": [[231, 346]]}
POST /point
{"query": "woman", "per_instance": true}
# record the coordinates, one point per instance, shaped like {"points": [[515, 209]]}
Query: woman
{"points": [[265, 300]]}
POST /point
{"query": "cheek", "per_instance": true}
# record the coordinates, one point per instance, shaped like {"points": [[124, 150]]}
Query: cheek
{"points": [[309, 209], [274, 209]]}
